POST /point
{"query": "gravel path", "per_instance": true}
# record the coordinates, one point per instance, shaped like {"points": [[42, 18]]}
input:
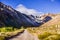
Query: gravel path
{"points": [[24, 36]]}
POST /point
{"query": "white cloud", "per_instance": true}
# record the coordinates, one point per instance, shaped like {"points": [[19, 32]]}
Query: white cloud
{"points": [[21, 8]]}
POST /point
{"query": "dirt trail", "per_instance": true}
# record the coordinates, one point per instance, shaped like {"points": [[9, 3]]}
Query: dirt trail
{"points": [[24, 36]]}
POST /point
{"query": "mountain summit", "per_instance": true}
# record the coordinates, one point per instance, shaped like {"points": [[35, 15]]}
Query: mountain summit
{"points": [[11, 17]]}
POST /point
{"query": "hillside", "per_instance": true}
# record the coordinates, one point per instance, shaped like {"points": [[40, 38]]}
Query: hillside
{"points": [[48, 30], [12, 17], [54, 21], [46, 17]]}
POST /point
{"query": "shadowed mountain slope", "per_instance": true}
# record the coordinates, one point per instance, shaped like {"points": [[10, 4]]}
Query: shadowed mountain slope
{"points": [[11, 17]]}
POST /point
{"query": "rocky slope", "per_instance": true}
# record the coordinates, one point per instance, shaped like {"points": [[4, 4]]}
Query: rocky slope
{"points": [[47, 17], [11, 17], [54, 21]]}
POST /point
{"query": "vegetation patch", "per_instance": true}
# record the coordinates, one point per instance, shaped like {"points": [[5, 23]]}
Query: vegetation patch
{"points": [[9, 31], [44, 35]]}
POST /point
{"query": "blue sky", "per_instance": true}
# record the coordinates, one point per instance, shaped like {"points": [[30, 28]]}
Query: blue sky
{"points": [[50, 6]]}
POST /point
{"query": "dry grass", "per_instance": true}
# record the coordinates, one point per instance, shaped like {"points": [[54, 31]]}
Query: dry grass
{"points": [[45, 33], [6, 33]]}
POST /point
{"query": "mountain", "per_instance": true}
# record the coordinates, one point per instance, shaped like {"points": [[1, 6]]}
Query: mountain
{"points": [[53, 21], [47, 17], [52, 26], [11, 17]]}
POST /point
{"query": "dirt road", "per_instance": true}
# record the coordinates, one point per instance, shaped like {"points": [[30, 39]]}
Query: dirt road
{"points": [[24, 36]]}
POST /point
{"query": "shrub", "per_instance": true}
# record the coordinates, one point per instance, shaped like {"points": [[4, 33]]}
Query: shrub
{"points": [[53, 37], [2, 37], [43, 35], [7, 29], [8, 32]]}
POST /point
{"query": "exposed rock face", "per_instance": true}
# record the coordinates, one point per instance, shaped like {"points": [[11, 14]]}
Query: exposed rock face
{"points": [[54, 21], [11, 17], [47, 17]]}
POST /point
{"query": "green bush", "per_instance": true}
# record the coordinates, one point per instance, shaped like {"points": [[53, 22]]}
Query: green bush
{"points": [[7, 29], [53, 37], [48, 36], [44, 35], [2, 37]]}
